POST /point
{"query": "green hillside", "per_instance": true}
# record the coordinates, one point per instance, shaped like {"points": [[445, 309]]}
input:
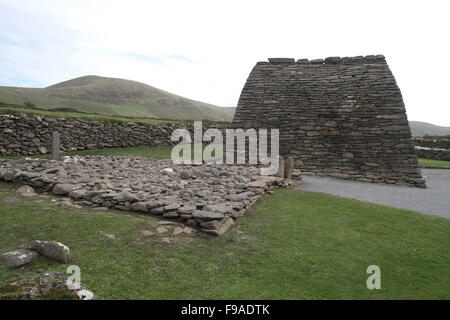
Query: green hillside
{"points": [[111, 96], [419, 129]]}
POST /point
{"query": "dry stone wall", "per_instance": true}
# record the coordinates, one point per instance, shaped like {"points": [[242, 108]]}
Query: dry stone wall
{"points": [[30, 135], [435, 149], [432, 143], [433, 153], [341, 117]]}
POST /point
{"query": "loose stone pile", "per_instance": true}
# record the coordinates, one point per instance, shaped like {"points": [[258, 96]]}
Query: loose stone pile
{"points": [[203, 196]]}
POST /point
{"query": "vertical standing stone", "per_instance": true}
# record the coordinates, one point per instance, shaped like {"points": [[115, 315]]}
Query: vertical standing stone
{"points": [[280, 167], [288, 165], [55, 145]]}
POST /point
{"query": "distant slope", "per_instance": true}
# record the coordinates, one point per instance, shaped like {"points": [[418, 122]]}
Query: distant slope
{"points": [[111, 96], [419, 129]]}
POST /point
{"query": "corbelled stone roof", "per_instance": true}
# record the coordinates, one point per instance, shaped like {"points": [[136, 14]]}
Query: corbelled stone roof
{"points": [[341, 117]]}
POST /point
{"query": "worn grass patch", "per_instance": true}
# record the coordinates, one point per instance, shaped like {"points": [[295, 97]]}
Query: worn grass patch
{"points": [[155, 152], [162, 152], [291, 245], [438, 164]]}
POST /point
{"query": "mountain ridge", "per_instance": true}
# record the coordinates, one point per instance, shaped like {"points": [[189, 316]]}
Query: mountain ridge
{"points": [[421, 128], [117, 97]]}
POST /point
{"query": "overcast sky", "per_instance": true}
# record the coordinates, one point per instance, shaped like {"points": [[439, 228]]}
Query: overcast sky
{"points": [[204, 50]]}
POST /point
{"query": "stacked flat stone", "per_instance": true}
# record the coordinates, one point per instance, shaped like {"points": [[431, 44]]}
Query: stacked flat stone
{"points": [[435, 149], [433, 153], [432, 143], [341, 117]]}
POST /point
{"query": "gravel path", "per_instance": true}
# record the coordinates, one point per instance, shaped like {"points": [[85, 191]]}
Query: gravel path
{"points": [[434, 200]]}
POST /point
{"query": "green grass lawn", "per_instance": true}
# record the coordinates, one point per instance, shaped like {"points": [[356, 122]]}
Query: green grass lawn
{"points": [[162, 152], [291, 245], [438, 164]]}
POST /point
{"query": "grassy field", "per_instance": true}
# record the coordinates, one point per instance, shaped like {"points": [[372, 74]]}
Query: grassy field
{"points": [[77, 115], [428, 163], [291, 245], [162, 152]]}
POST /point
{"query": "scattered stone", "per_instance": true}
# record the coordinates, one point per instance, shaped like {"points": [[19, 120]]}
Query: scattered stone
{"points": [[77, 194], [108, 235], [125, 196], [171, 214], [211, 225], [223, 228], [11, 199], [63, 188], [42, 150], [241, 196], [218, 208], [177, 231], [166, 240], [167, 171], [69, 203], [100, 209], [161, 230], [186, 210], [19, 257], [207, 215], [139, 206], [257, 184], [8, 176], [146, 233], [167, 223], [157, 211], [191, 222], [186, 174], [26, 191], [171, 207]]}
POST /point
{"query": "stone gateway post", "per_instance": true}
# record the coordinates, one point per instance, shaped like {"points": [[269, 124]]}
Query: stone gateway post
{"points": [[55, 145], [340, 117]]}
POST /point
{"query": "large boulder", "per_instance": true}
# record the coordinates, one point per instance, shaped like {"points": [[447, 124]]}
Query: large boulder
{"points": [[219, 230], [50, 249], [63, 188], [26, 191], [19, 257], [125, 196]]}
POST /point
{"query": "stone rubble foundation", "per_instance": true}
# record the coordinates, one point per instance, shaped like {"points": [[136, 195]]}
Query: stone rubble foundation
{"points": [[206, 197]]}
